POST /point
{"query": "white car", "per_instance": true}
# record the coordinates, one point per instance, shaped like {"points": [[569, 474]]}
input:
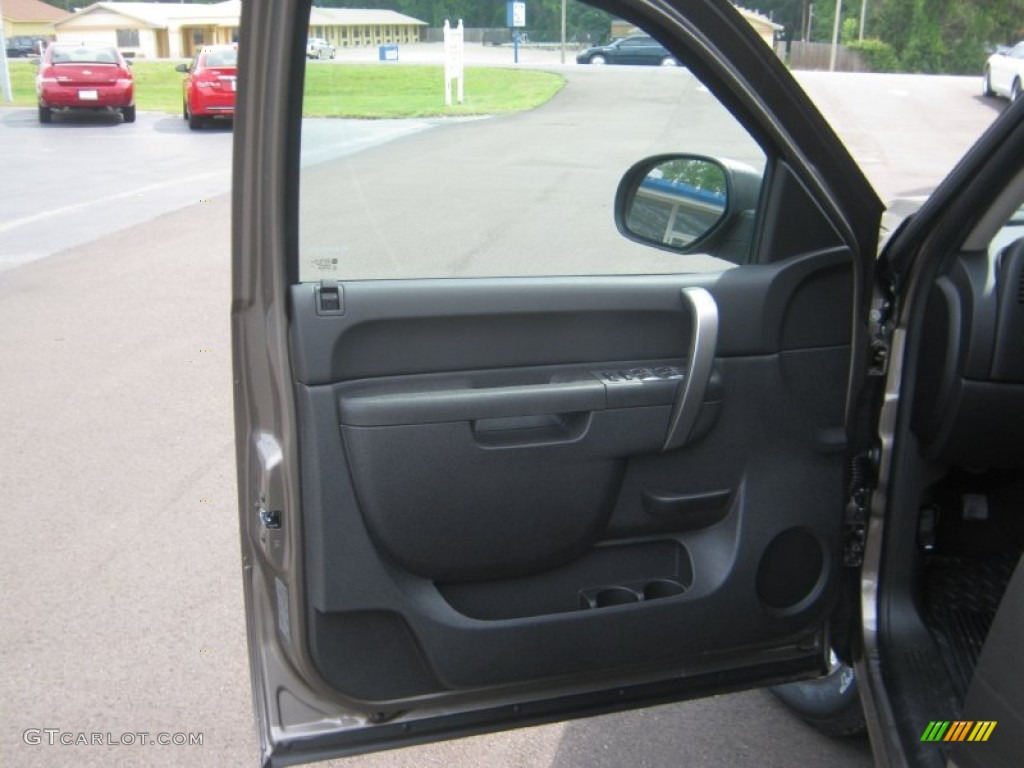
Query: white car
{"points": [[318, 48], [1004, 72]]}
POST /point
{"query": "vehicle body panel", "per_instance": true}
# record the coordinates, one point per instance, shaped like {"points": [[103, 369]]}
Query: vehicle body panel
{"points": [[24, 46], [636, 49], [318, 48], [486, 502], [84, 77], [1003, 69], [210, 86], [383, 612]]}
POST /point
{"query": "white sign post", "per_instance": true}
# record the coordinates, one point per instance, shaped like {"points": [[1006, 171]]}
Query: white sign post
{"points": [[5, 75], [453, 61]]}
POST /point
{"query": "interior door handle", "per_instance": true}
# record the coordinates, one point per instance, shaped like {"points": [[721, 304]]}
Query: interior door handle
{"points": [[703, 341]]}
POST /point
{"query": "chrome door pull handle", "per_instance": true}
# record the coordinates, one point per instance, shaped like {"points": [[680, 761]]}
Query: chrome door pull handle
{"points": [[703, 342]]}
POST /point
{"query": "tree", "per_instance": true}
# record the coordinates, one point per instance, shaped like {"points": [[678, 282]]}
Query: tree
{"points": [[947, 36]]}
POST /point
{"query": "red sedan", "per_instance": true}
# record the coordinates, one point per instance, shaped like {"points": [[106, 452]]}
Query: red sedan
{"points": [[209, 88], [76, 76]]}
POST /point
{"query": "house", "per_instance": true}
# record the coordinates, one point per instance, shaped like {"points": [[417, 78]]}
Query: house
{"points": [[162, 30], [30, 18], [762, 24], [346, 27], [177, 30]]}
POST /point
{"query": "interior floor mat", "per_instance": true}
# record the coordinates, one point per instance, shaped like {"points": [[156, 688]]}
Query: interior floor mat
{"points": [[961, 598]]}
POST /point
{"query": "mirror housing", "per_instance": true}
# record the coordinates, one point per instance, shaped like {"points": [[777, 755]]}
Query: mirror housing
{"points": [[683, 202], [182, 68]]}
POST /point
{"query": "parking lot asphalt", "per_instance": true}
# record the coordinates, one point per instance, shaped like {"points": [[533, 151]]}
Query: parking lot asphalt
{"points": [[122, 600], [88, 175]]}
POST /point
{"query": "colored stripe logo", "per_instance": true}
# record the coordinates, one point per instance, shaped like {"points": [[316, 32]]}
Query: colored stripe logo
{"points": [[959, 730]]}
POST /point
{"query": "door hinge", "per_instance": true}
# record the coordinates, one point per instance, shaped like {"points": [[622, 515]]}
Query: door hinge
{"points": [[855, 519], [269, 504], [880, 329]]}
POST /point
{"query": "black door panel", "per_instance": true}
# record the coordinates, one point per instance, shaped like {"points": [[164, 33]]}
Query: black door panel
{"points": [[466, 510], [491, 508], [389, 327], [461, 509]]}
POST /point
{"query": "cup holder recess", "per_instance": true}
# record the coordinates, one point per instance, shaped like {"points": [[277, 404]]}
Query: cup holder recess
{"points": [[626, 594], [662, 588], [616, 596]]}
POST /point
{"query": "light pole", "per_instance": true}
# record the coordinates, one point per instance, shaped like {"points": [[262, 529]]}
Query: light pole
{"points": [[863, 15], [563, 30], [835, 36]]}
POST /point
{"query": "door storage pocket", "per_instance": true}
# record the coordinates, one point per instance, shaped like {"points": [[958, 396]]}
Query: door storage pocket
{"points": [[608, 576]]}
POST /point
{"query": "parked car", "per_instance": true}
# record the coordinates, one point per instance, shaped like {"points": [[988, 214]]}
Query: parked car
{"points": [[210, 85], [479, 490], [1004, 73], [84, 76], [21, 46], [637, 49], [318, 48], [497, 36]]}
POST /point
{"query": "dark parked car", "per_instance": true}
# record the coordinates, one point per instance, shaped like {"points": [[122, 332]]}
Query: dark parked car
{"points": [[21, 46], [639, 414], [638, 49], [84, 76]]}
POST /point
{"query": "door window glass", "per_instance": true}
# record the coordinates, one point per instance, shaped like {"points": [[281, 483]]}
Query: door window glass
{"points": [[519, 179]]}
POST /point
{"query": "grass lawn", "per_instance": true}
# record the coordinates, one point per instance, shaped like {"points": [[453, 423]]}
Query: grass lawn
{"points": [[352, 90], [368, 90]]}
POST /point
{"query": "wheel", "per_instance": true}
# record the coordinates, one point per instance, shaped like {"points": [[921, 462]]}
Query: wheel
{"points": [[321, 54], [1015, 91], [831, 703], [599, 59], [195, 122], [184, 110], [128, 113], [986, 83], [45, 114], [669, 61]]}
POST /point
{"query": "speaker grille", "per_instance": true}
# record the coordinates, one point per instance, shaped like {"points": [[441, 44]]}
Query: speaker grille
{"points": [[791, 568]]}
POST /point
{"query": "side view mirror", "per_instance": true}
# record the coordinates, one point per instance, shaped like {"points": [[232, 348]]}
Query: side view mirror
{"points": [[182, 68], [34, 61], [677, 202]]}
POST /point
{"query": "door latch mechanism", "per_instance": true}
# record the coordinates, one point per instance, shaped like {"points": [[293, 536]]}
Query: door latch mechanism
{"points": [[880, 330], [270, 520], [855, 518]]}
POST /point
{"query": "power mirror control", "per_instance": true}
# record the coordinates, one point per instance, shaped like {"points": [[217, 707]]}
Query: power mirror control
{"points": [[659, 373]]}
